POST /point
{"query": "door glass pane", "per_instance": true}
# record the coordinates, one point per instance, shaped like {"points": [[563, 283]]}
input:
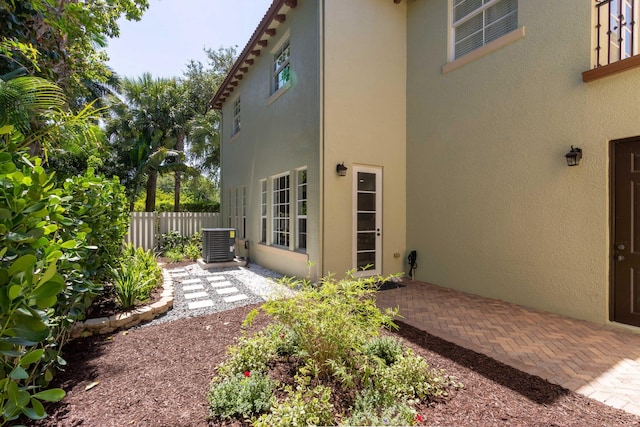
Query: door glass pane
{"points": [[366, 181], [366, 221], [367, 259], [366, 241], [366, 202]]}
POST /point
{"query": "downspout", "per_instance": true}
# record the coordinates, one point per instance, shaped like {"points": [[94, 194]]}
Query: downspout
{"points": [[321, 11]]}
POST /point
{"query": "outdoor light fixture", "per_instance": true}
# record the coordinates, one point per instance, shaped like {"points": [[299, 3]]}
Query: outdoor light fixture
{"points": [[573, 156], [341, 169]]}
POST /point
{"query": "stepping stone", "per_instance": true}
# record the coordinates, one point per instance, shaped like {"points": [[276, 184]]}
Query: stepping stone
{"points": [[221, 284], [215, 278], [180, 274], [225, 291], [190, 281], [196, 295], [192, 287], [234, 298], [177, 270], [200, 304]]}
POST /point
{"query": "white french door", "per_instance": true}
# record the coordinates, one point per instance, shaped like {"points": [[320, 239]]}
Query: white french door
{"points": [[367, 220]]}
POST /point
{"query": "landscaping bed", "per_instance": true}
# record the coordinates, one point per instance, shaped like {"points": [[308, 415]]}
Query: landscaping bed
{"points": [[160, 376]]}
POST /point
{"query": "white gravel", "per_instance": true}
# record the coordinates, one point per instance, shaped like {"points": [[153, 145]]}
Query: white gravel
{"points": [[255, 282]]}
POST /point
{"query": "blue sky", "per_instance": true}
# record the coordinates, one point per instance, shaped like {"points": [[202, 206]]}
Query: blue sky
{"points": [[172, 32]]}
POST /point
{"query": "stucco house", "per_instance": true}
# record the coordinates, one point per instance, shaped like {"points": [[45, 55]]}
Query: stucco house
{"points": [[357, 131]]}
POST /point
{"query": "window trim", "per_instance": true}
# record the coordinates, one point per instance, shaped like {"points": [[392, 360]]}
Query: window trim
{"points": [[235, 123], [264, 212], [276, 216], [299, 215], [488, 48], [275, 93]]}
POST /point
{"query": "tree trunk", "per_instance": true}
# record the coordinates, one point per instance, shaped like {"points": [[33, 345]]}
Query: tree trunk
{"points": [[150, 202], [178, 174]]}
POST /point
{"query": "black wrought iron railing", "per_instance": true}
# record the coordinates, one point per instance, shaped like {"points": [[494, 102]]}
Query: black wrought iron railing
{"points": [[616, 30]]}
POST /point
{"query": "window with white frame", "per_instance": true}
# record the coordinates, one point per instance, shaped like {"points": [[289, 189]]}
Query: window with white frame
{"points": [[244, 213], [281, 67], [236, 205], [475, 23], [263, 211], [281, 211], [236, 117], [301, 209]]}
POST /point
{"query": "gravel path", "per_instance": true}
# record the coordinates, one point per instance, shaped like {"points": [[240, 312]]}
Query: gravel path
{"points": [[218, 289]]}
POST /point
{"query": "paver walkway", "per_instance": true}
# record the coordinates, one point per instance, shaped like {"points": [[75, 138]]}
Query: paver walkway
{"points": [[597, 361]]}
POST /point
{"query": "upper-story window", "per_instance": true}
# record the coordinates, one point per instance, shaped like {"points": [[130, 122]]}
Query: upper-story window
{"points": [[476, 23], [236, 117], [617, 37], [281, 67]]}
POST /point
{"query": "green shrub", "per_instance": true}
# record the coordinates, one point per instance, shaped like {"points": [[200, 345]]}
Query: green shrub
{"points": [[386, 348], [241, 395], [174, 255], [373, 408], [251, 353], [332, 321], [303, 407], [193, 252], [172, 240], [136, 276]]}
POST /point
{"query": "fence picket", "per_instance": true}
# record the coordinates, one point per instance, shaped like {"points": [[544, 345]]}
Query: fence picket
{"points": [[147, 227]]}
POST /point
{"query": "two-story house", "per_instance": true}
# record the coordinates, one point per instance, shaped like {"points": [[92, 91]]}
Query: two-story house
{"points": [[356, 131]]}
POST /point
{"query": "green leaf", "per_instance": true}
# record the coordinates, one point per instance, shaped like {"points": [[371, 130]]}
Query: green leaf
{"points": [[48, 274], [69, 244], [5, 214], [48, 375], [14, 291], [37, 412], [31, 357], [51, 395], [13, 391], [49, 289], [18, 373], [29, 328], [22, 264], [54, 256], [5, 130], [46, 302]]}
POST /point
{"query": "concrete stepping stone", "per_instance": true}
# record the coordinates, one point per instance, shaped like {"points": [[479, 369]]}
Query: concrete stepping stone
{"points": [[190, 281], [215, 278], [192, 288], [225, 291], [234, 298], [177, 270], [196, 295], [221, 285], [185, 274], [200, 304]]}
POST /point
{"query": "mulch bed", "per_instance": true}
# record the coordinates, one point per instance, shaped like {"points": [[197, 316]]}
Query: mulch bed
{"points": [[159, 376]]}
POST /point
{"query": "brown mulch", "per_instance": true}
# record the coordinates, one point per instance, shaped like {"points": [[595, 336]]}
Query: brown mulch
{"points": [[159, 376]]}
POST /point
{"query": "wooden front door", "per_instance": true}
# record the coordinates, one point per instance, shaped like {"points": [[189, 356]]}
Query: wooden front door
{"points": [[626, 231]]}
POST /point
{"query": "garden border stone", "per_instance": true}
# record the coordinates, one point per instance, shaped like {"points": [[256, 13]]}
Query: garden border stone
{"points": [[128, 319]]}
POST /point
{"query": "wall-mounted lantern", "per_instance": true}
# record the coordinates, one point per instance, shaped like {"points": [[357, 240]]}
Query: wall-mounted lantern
{"points": [[341, 169], [573, 156]]}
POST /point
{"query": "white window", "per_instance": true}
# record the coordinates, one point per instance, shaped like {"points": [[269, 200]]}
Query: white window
{"points": [[263, 211], [281, 211], [301, 209], [236, 117], [244, 213], [475, 23], [235, 205], [281, 67]]}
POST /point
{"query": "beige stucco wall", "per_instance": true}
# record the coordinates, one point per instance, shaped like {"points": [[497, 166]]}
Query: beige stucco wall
{"points": [[364, 116], [277, 136], [492, 207]]}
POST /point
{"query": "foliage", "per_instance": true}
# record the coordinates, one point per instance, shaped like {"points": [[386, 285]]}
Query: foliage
{"points": [[389, 349], [303, 407], [67, 35], [176, 247], [328, 335], [136, 276], [243, 394], [332, 320]]}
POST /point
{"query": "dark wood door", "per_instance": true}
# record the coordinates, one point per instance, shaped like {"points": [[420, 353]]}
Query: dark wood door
{"points": [[626, 231]]}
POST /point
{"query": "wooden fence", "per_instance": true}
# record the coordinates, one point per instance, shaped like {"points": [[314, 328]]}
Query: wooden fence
{"points": [[146, 227]]}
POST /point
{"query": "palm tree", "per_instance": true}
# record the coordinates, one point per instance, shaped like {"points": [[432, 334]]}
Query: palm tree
{"points": [[142, 131]]}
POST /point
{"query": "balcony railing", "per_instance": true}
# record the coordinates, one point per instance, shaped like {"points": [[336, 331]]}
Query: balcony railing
{"points": [[616, 32]]}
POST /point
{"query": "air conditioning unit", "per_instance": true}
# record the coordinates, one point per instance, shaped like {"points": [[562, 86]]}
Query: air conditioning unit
{"points": [[218, 244]]}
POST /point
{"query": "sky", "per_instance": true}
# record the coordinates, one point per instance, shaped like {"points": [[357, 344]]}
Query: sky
{"points": [[172, 32]]}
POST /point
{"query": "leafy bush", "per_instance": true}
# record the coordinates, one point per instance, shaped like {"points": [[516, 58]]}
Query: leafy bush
{"points": [[137, 275], [332, 321], [243, 394], [251, 353], [373, 408], [172, 240], [303, 407], [386, 348]]}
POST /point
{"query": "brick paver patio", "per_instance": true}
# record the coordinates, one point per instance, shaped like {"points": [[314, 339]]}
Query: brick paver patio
{"points": [[597, 361]]}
